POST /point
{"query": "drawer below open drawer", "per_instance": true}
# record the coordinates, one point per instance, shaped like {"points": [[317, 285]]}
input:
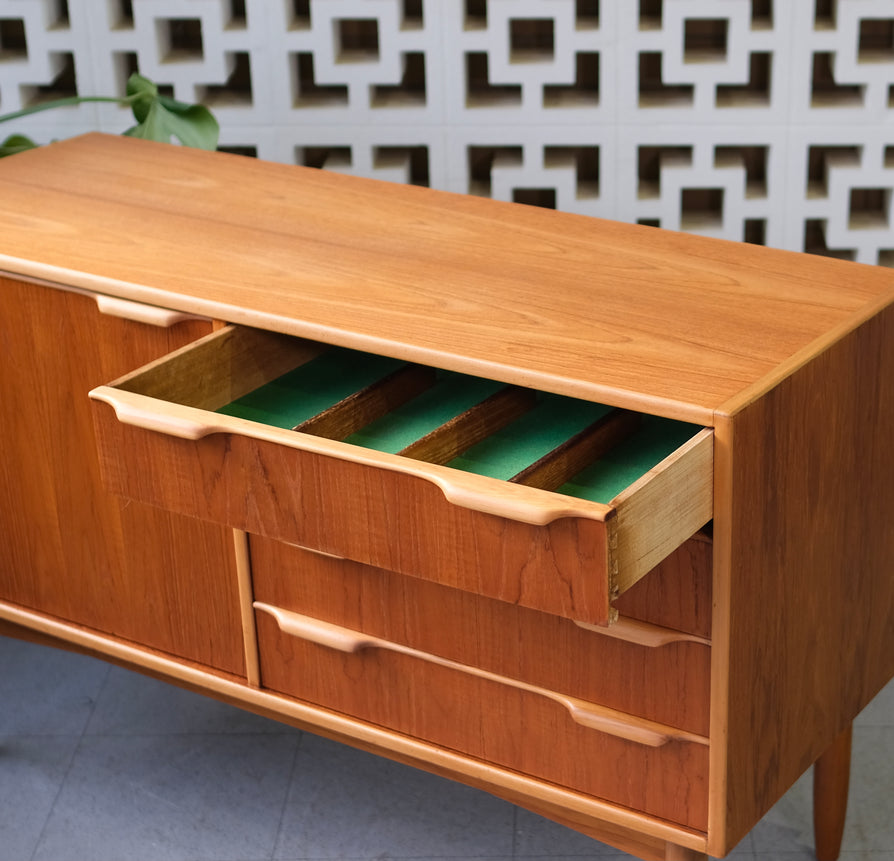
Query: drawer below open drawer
{"points": [[475, 485], [575, 744], [638, 668]]}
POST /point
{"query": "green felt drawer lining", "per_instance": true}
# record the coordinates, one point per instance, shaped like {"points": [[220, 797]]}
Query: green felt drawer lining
{"points": [[329, 378], [311, 388]]}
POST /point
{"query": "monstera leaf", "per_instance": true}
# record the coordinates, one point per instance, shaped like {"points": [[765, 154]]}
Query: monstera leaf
{"points": [[159, 118], [16, 143]]}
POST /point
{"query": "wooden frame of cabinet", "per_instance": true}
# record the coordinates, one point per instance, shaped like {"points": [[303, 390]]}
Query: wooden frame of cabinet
{"points": [[783, 357]]}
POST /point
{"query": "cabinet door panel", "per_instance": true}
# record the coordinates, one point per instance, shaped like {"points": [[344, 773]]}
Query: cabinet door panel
{"points": [[68, 548]]}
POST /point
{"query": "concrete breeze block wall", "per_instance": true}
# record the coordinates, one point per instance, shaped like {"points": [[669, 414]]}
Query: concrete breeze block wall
{"points": [[768, 121]]}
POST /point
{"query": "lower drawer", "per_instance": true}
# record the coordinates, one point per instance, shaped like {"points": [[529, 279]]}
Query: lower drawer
{"points": [[677, 593], [667, 683], [494, 722], [500, 683]]}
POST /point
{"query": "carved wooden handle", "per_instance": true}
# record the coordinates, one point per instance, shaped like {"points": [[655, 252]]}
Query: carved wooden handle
{"points": [[152, 315], [162, 418], [477, 493], [586, 714]]}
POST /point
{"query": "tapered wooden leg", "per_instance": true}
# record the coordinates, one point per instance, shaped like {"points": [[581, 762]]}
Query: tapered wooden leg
{"points": [[681, 853], [831, 775]]}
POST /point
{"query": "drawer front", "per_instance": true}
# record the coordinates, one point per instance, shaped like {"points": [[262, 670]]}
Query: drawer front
{"points": [[677, 593], [668, 684], [378, 517], [161, 443], [526, 730]]}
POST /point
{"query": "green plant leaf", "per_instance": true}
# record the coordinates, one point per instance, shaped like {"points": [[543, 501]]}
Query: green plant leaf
{"points": [[194, 126], [159, 118], [142, 93], [15, 144]]}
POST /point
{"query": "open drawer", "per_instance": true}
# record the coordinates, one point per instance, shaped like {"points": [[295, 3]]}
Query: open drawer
{"points": [[542, 501]]}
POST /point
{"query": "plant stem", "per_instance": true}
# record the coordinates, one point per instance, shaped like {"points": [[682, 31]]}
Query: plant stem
{"points": [[61, 103]]}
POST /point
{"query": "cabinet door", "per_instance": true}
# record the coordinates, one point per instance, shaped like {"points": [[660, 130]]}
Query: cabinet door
{"points": [[68, 548]]}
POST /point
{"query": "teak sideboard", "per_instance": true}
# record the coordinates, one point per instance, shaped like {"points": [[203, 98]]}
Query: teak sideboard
{"points": [[592, 516]]}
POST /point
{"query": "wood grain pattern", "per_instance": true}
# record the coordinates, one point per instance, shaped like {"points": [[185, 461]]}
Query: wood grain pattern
{"points": [[804, 559], [69, 548], [620, 826], [242, 559], [361, 490], [777, 351], [644, 633], [466, 489], [658, 512], [831, 779], [372, 402], [482, 718], [538, 648], [640, 843], [225, 365], [384, 518], [587, 714], [472, 426], [634, 843], [676, 593], [464, 277], [564, 462], [673, 852]]}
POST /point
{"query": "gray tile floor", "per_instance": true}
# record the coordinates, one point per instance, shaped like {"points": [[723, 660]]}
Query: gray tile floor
{"points": [[100, 764]]}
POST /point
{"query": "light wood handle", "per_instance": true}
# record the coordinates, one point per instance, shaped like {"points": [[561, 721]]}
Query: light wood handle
{"points": [[537, 513], [475, 492], [169, 422], [643, 633], [610, 721], [152, 315]]}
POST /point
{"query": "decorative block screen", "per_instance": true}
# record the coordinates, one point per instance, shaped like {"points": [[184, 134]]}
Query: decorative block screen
{"points": [[769, 121]]}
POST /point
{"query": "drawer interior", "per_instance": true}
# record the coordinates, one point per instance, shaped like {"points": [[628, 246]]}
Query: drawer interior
{"points": [[574, 447], [547, 501]]}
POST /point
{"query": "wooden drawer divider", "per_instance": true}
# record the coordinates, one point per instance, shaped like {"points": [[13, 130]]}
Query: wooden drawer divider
{"points": [[473, 425]]}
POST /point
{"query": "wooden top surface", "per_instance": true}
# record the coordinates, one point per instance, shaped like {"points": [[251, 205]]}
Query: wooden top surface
{"points": [[633, 316]]}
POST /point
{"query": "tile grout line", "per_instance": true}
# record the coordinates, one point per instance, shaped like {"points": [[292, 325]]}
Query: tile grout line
{"points": [[285, 802], [71, 762], [514, 844]]}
